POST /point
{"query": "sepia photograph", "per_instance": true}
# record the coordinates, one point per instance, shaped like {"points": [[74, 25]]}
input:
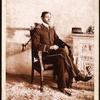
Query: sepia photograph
{"points": [[50, 50]]}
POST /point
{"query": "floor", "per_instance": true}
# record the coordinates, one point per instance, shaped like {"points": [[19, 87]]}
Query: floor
{"points": [[18, 87]]}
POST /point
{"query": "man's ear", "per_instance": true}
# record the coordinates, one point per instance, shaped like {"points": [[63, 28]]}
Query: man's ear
{"points": [[42, 18]]}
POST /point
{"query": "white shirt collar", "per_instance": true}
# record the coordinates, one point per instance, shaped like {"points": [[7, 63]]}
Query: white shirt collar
{"points": [[46, 25]]}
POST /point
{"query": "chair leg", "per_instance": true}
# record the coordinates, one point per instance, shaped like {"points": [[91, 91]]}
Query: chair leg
{"points": [[41, 81], [54, 76], [32, 74]]}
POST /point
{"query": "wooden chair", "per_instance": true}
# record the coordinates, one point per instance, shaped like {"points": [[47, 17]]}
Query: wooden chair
{"points": [[37, 62]]}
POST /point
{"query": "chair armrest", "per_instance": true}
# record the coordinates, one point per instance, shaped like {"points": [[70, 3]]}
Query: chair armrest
{"points": [[24, 45], [40, 59]]}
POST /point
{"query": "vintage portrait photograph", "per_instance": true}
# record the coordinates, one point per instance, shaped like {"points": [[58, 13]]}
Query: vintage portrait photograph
{"points": [[50, 50]]}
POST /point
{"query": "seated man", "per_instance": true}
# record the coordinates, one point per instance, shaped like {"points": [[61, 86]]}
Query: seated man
{"points": [[46, 40]]}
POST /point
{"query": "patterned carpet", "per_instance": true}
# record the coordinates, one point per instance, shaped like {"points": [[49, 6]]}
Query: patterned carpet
{"points": [[18, 87]]}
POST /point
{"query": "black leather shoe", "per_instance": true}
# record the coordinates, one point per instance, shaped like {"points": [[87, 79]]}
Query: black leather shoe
{"points": [[66, 91], [82, 77]]}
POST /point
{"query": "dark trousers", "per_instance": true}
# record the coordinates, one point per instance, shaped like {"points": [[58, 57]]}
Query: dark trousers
{"points": [[62, 66]]}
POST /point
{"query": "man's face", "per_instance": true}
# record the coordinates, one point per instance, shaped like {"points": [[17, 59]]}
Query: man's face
{"points": [[47, 18]]}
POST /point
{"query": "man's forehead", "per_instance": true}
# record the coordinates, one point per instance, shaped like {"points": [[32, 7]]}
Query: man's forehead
{"points": [[48, 14]]}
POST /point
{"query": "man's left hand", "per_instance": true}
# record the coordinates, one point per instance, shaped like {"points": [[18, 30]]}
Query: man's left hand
{"points": [[54, 47]]}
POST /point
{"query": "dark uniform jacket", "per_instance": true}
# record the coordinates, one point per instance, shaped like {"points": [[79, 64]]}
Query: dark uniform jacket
{"points": [[43, 38]]}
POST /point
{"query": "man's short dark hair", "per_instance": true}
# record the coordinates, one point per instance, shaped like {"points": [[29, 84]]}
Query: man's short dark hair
{"points": [[44, 13]]}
